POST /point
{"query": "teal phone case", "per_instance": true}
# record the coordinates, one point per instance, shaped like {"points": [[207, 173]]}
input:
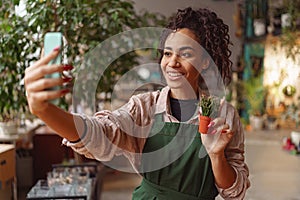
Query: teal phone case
{"points": [[51, 41]]}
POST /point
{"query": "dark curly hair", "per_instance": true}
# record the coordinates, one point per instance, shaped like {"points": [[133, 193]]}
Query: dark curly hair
{"points": [[212, 35]]}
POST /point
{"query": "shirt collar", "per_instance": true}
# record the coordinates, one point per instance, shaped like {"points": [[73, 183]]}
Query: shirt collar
{"points": [[163, 105]]}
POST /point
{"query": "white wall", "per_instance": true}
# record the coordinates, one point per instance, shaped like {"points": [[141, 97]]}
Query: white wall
{"points": [[225, 9]]}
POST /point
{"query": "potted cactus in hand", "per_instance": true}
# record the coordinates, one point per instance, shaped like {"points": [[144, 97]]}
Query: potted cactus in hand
{"points": [[208, 107]]}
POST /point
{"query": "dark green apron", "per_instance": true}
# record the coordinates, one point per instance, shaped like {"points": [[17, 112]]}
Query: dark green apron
{"points": [[186, 176]]}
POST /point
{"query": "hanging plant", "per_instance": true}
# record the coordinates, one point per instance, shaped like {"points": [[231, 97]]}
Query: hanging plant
{"points": [[290, 33], [289, 91]]}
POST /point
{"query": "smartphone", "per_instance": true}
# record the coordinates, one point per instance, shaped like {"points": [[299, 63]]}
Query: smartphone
{"points": [[52, 40]]}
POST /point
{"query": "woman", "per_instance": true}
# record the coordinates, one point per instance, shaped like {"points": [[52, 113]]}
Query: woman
{"points": [[153, 127]]}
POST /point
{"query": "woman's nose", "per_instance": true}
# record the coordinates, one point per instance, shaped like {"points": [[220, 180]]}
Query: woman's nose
{"points": [[174, 61]]}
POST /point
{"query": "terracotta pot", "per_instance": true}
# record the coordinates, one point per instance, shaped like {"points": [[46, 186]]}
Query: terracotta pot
{"points": [[8, 128], [203, 124]]}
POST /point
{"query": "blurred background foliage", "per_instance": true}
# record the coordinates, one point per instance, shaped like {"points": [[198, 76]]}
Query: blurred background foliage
{"points": [[84, 25]]}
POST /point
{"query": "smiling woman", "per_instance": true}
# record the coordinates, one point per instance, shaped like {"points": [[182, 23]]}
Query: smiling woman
{"points": [[181, 64], [157, 131]]}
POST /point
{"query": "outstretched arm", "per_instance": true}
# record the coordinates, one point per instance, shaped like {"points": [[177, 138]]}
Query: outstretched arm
{"points": [[39, 96]]}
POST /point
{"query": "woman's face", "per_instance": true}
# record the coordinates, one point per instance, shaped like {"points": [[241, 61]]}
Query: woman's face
{"points": [[181, 62]]}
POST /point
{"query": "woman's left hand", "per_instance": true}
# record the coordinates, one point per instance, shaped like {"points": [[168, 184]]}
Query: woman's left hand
{"points": [[218, 136]]}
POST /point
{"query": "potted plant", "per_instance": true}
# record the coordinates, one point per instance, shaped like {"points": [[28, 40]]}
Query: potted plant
{"points": [[84, 24], [255, 93], [286, 18], [13, 104], [208, 106]]}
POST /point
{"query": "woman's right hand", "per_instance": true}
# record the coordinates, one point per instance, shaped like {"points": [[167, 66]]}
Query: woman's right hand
{"points": [[37, 87]]}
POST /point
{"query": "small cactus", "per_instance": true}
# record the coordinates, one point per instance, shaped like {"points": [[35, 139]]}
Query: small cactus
{"points": [[209, 105]]}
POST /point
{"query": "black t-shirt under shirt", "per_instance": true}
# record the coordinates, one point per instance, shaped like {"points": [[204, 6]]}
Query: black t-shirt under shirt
{"points": [[183, 110]]}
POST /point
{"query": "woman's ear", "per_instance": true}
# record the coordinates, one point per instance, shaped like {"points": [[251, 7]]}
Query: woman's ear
{"points": [[205, 64]]}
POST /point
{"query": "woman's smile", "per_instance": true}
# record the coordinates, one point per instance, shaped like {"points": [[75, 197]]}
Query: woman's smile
{"points": [[175, 74]]}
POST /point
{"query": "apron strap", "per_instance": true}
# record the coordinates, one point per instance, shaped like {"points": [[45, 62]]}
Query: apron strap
{"points": [[166, 193]]}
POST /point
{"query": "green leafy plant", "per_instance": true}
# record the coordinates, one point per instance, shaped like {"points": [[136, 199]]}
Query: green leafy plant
{"points": [[83, 23], [12, 63], [255, 94], [290, 34], [209, 105]]}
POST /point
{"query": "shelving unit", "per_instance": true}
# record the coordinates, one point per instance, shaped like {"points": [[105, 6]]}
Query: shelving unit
{"points": [[265, 24]]}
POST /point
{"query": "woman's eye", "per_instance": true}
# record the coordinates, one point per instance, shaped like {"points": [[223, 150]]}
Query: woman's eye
{"points": [[167, 53], [186, 55]]}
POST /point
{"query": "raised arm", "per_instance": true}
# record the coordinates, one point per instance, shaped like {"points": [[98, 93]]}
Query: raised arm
{"points": [[39, 96]]}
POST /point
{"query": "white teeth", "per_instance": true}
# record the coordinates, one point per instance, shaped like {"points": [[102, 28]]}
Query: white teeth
{"points": [[174, 74]]}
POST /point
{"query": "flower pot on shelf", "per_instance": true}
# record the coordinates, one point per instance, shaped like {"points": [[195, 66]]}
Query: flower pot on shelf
{"points": [[203, 124], [8, 128]]}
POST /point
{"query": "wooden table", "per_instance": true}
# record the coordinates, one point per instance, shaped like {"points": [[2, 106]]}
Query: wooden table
{"points": [[8, 168]]}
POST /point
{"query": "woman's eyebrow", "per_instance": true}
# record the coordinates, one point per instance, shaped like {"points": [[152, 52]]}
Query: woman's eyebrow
{"points": [[181, 48], [186, 48]]}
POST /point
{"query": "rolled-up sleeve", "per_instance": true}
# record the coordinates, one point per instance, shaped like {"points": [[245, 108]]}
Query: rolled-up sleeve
{"points": [[120, 132], [101, 138], [235, 157]]}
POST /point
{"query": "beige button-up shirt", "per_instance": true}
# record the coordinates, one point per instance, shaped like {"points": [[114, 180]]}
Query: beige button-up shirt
{"points": [[124, 132]]}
